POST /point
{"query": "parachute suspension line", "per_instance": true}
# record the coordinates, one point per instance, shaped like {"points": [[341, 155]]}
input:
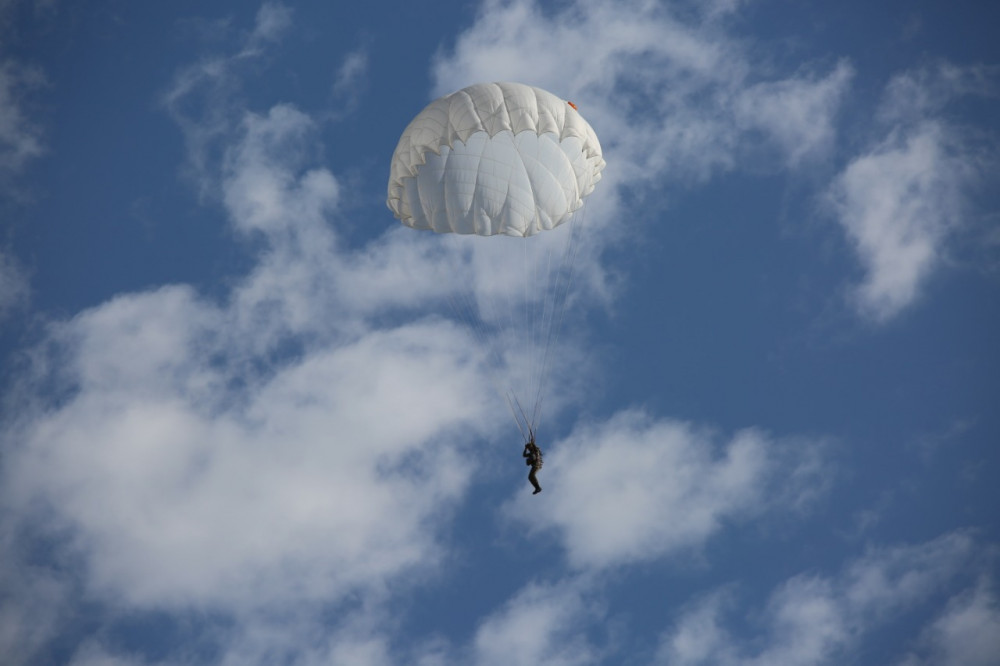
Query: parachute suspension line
{"points": [[542, 318], [529, 312], [493, 361], [507, 396], [478, 328], [506, 329], [546, 271], [497, 329], [538, 327], [465, 308], [524, 418], [514, 328], [560, 302], [530, 304], [520, 326], [545, 328]]}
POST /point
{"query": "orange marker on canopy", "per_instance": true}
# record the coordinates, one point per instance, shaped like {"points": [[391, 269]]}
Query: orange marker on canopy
{"points": [[573, 105]]}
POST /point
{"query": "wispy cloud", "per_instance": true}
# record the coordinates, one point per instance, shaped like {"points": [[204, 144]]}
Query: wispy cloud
{"points": [[22, 141], [204, 98], [967, 632], [797, 115], [20, 135], [915, 95], [902, 202], [351, 80], [14, 284], [898, 204], [540, 624], [273, 21]]}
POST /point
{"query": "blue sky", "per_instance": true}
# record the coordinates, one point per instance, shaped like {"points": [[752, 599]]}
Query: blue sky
{"points": [[241, 424]]}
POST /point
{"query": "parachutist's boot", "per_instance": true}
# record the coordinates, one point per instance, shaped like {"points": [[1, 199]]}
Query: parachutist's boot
{"points": [[537, 490]]}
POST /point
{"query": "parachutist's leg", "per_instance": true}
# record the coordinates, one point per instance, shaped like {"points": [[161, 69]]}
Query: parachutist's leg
{"points": [[534, 482]]}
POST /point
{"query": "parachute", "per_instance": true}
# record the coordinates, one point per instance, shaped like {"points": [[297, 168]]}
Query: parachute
{"points": [[507, 165]]}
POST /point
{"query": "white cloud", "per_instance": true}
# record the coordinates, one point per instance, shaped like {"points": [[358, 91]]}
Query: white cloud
{"points": [[204, 98], [699, 636], [541, 624], [898, 205], [887, 580], [309, 476], [301, 637], [354, 67], [967, 633], [272, 22], [902, 202], [351, 80], [815, 619], [797, 114], [916, 94], [636, 488], [190, 445]]}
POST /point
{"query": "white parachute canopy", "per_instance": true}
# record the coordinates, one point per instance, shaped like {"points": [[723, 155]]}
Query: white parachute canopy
{"points": [[503, 159], [494, 158]]}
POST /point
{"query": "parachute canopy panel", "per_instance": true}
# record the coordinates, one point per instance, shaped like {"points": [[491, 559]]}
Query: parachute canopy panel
{"points": [[494, 158]]}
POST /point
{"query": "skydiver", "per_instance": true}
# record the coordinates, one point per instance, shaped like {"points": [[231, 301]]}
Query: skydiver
{"points": [[533, 457]]}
